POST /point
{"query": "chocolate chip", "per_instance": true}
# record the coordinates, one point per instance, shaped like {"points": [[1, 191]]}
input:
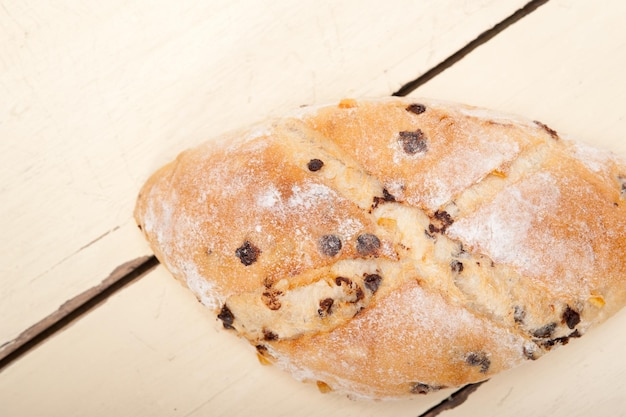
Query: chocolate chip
{"points": [[269, 335], [372, 282], [329, 245], [387, 197], [325, 305], [420, 388], [456, 266], [367, 244], [519, 314], [571, 317], [227, 317], [548, 344], [544, 332], [315, 165], [262, 349], [550, 131], [444, 217], [416, 108], [560, 340], [413, 142], [247, 253], [479, 359]]}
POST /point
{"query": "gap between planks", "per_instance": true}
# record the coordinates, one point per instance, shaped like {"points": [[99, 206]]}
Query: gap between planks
{"points": [[133, 270], [467, 49], [75, 308]]}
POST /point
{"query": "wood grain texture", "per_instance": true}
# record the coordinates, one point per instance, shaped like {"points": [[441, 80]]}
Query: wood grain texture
{"points": [[152, 350], [96, 95]]}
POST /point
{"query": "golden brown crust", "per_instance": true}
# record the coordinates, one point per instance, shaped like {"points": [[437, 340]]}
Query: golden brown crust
{"points": [[393, 247]]}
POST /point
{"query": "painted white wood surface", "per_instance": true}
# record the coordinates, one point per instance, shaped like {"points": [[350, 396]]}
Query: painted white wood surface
{"points": [[152, 350], [96, 95]]}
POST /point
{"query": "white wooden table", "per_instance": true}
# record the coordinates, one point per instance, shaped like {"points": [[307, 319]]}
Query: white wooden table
{"points": [[96, 95]]}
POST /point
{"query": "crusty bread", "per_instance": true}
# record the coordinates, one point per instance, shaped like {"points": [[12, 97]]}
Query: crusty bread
{"points": [[393, 247]]}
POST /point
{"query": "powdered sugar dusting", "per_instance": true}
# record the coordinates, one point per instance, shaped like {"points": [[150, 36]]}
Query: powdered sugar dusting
{"points": [[521, 227], [494, 116], [501, 228], [309, 195], [203, 289], [350, 227], [594, 159], [430, 328], [268, 197]]}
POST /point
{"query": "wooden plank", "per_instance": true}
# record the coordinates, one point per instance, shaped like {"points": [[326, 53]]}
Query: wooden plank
{"points": [[96, 95], [563, 66], [158, 352], [153, 350]]}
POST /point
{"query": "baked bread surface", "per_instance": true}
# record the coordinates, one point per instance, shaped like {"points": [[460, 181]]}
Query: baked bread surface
{"points": [[392, 247]]}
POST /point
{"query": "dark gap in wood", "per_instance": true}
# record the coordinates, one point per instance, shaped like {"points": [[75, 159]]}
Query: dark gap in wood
{"points": [[454, 400], [463, 52], [75, 308]]}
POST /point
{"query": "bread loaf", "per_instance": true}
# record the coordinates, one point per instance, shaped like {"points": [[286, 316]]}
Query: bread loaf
{"points": [[391, 247]]}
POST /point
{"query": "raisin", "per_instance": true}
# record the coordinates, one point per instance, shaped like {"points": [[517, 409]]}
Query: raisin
{"points": [[315, 165], [247, 253], [329, 245], [416, 108], [571, 317], [479, 359], [367, 244], [227, 317], [372, 282], [456, 266], [413, 142]]}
